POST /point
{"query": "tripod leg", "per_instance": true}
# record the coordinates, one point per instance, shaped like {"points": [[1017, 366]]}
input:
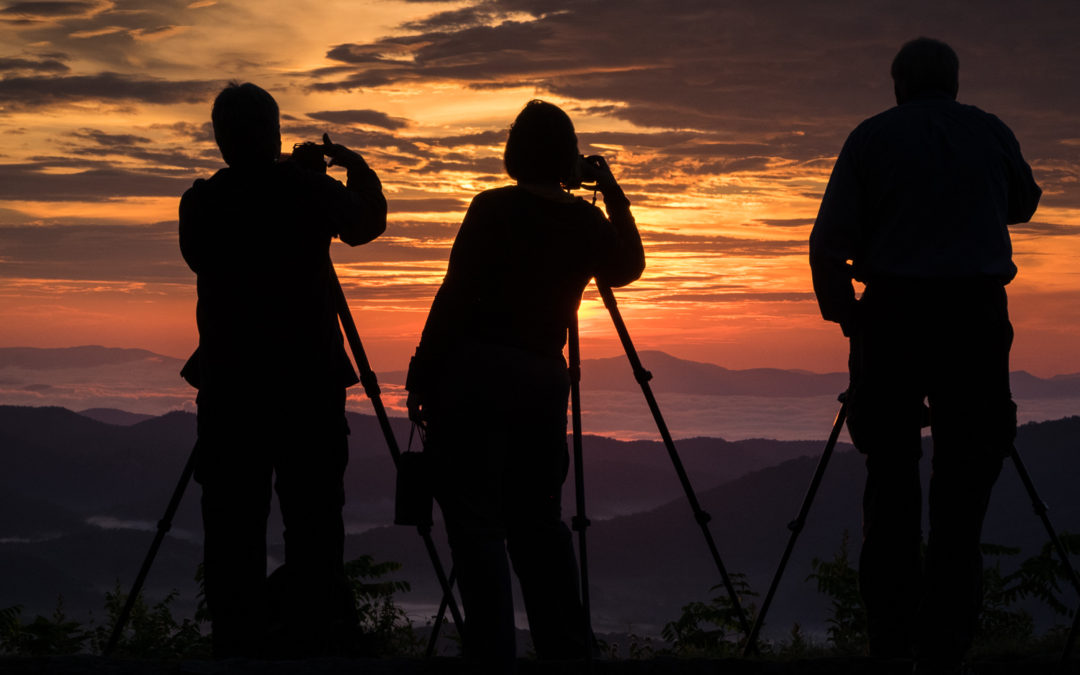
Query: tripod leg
{"points": [[643, 376], [163, 527], [439, 618], [580, 522], [371, 388], [1041, 511], [796, 526]]}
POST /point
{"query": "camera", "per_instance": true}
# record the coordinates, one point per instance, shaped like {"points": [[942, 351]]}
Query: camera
{"points": [[308, 155], [587, 173]]}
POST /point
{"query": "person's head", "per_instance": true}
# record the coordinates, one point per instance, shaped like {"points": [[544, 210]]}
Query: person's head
{"points": [[246, 125], [925, 66], [541, 146]]}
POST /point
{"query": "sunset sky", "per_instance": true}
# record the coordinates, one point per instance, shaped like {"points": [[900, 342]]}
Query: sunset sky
{"points": [[721, 120]]}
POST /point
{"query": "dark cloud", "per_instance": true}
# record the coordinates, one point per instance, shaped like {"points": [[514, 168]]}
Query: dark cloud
{"points": [[491, 165], [35, 92], [108, 140], [428, 204], [388, 249], [50, 10], [484, 138], [1041, 229], [46, 65], [791, 75], [91, 144], [363, 117], [716, 298], [28, 182], [93, 252], [786, 222], [357, 139], [455, 19], [666, 242]]}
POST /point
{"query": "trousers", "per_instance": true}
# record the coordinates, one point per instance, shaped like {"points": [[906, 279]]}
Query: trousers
{"points": [[934, 353], [301, 451], [498, 447]]}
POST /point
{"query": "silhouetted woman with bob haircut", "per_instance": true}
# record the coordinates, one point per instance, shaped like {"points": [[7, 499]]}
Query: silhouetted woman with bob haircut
{"points": [[490, 381]]}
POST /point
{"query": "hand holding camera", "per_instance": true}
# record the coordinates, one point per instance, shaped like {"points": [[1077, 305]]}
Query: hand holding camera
{"points": [[592, 172], [340, 155], [310, 156]]}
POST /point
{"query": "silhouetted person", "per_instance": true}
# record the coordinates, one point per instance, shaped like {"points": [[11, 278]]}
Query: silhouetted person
{"points": [[272, 372], [917, 208], [490, 381]]}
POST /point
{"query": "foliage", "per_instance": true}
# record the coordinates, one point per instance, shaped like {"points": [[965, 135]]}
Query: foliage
{"points": [[999, 621], [1041, 577], [1003, 626], [711, 629], [797, 645], [638, 647], [151, 631], [837, 579], [43, 636], [386, 627]]}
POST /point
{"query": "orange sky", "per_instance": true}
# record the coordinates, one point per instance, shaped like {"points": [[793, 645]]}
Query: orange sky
{"points": [[721, 119]]}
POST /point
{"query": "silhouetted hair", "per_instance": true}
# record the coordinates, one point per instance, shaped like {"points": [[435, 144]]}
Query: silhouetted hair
{"points": [[246, 125], [923, 66], [541, 145]]}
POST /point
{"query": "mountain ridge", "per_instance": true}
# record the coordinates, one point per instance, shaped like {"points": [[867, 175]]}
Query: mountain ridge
{"points": [[671, 374]]}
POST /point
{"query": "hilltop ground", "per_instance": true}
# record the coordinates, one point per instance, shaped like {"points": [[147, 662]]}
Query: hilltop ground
{"points": [[89, 665]]}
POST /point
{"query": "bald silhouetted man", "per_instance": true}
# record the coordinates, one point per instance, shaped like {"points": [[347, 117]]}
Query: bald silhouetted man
{"points": [[917, 208]]}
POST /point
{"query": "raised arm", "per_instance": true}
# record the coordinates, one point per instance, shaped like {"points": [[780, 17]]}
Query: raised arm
{"points": [[357, 213], [624, 260]]}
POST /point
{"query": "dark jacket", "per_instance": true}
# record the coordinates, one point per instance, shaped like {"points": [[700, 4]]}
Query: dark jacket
{"points": [[922, 191], [517, 271], [259, 241]]}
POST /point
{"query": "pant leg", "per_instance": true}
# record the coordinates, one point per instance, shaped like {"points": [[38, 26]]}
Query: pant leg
{"points": [[469, 492], [974, 424], [310, 457], [886, 417], [234, 473], [890, 560], [541, 548]]}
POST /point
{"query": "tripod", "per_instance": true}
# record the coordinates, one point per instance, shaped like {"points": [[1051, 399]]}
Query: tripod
{"points": [[700, 515], [796, 527], [371, 389], [580, 522]]}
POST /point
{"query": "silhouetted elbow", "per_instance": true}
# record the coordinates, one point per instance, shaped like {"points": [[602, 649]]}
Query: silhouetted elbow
{"points": [[625, 274], [369, 224]]}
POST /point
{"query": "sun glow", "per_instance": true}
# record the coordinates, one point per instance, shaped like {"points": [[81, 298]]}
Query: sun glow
{"points": [[105, 117]]}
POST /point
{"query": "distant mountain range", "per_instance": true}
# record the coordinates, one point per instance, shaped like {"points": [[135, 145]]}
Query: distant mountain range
{"points": [[79, 498], [35, 369], [104, 474], [672, 374]]}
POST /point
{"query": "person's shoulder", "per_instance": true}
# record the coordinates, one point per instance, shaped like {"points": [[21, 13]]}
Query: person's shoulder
{"points": [[504, 197], [203, 188], [884, 119], [505, 193], [985, 117]]}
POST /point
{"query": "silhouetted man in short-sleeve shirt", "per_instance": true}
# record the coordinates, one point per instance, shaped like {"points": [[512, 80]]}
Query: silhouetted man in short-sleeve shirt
{"points": [[272, 371], [917, 208]]}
